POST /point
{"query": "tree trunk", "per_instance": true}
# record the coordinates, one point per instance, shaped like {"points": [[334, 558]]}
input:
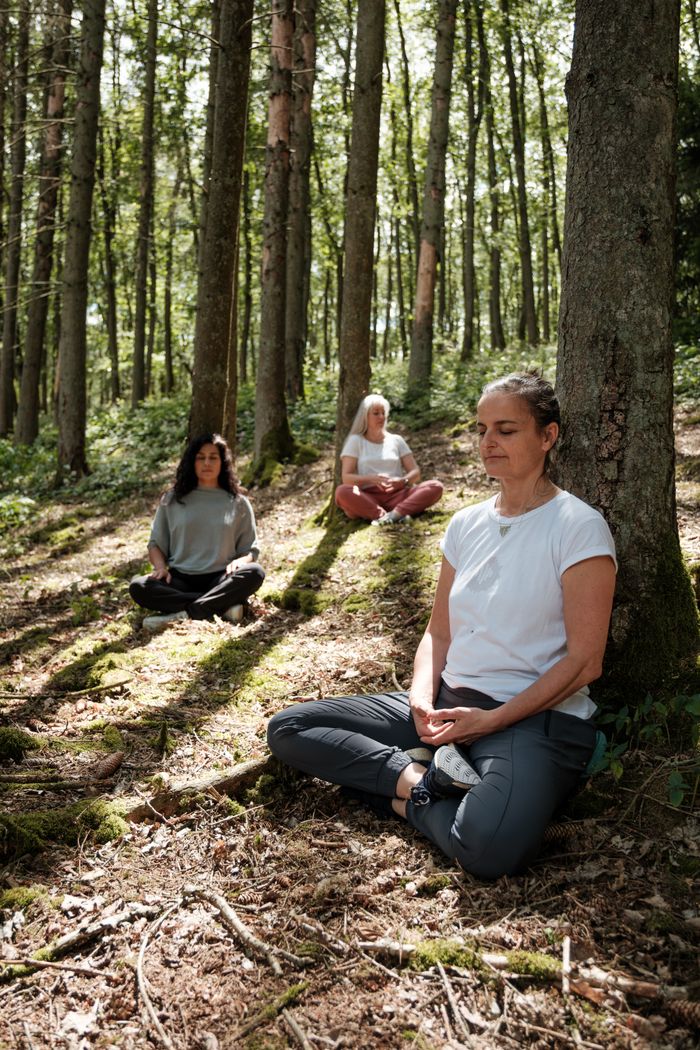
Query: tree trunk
{"points": [[298, 243], [548, 153], [73, 339], [215, 290], [169, 378], [138, 384], [475, 109], [528, 287], [247, 281], [498, 340], [615, 364], [4, 34], [152, 308], [109, 219], [208, 150], [420, 364], [18, 152], [28, 414], [273, 438], [360, 216], [410, 158]]}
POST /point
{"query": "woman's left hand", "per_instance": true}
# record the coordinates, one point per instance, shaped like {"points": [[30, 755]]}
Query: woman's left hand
{"points": [[458, 725], [236, 564]]}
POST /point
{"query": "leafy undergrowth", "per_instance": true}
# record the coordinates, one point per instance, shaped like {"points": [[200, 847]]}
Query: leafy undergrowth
{"points": [[388, 944]]}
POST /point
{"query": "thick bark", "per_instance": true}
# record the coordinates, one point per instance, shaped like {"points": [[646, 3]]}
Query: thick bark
{"points": [[215, 290], [615, 364], [498, 340], [475, 109], [526, 276], [360, 215], [73, 339], [18, 152], [138, 381], [420, 364], [50, 170], [298, 242], [273, 438]]}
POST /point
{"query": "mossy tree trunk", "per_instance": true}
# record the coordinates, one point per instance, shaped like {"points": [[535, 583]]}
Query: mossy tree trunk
{"points": [[615, 363]]}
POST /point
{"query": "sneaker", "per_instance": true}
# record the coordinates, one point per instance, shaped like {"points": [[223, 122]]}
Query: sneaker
{"points": [[405, 519], [420, 754], [157, 623], [234, 614], [390, 518], [448, 775]]}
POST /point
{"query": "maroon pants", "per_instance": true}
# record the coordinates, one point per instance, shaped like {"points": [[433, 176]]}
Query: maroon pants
{"points": [[370, 503]]}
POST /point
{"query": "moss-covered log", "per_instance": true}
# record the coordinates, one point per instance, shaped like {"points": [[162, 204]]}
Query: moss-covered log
{"points": [[22, 833]]}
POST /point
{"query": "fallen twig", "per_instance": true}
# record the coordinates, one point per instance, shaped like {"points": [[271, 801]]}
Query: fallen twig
{"points": [[67, 692], [240, 930], [453, 1004], [296, 1031], [270, 1012], [141, 980], [45, 964]]}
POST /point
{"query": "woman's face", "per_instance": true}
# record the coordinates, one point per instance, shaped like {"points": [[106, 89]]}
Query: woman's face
{"points": [[376, 418], [207, 466], [511, 444]]}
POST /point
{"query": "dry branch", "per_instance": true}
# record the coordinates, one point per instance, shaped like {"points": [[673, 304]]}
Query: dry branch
{"points": [[170, 801]]}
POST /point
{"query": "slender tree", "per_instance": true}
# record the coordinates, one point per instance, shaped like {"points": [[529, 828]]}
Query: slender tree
{"points": [[420, 365], [475, 109], [218, 248], [615, 363], [72, 348], [50, 169], [360, 214], [143, 244], [498, 340], [298, 240], [18, 152], [518, 125], [109, 218], [273, 438]]}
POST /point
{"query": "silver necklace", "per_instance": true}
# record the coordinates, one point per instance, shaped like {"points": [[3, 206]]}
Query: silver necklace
{"points": [[505, 529]]}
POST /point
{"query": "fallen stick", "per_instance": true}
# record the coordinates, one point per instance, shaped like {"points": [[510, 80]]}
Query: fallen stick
{"points": [[169, 802], [57, 693], [454, 1005], [45, 964], [84, 934], [141, 980], [270, 1012], [240, 930], [296, 1030]]}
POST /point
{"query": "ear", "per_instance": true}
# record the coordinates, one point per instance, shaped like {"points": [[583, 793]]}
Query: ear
{"points": [[550, 435]]}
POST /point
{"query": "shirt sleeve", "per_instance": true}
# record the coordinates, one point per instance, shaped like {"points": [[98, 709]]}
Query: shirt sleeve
{"points": [[449, 544], [247, 539], [590, 539], [351, 446], [402, 447], [160, 530]]}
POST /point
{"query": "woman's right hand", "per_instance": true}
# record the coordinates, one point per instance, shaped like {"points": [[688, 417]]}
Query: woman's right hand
{"points": [[161, 574], [422, 711]]}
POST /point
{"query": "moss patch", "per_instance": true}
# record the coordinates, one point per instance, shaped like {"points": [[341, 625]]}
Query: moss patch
{"points": [[449, 953], [14, 744], [22, 833], [20, 898]]}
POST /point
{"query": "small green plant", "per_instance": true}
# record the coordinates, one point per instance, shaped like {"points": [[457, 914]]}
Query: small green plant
{"points": [[84, 609]]}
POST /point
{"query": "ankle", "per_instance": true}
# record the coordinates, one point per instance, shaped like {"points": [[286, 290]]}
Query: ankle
{"points": [[408, 778], [399, 807]]}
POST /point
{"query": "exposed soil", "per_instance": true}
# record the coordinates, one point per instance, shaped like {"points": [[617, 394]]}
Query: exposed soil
{"points": [[306, 872]]}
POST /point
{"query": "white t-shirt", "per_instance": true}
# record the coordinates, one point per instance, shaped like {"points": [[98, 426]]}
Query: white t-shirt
{"points": [[374, 457], [506, 605]]}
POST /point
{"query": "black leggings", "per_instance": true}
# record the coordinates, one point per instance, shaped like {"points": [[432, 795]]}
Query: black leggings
{"points": [[527, 770], [202, 595]]}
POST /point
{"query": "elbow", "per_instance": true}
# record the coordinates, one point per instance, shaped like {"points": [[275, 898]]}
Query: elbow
{"points": [[591, 668]]}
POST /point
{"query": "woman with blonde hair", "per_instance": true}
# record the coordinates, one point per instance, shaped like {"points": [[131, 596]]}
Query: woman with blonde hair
{"points": [[380, 478]]}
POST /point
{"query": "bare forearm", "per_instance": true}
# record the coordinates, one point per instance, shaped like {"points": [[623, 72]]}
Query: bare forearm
{"points": [[562, 680], [156, 557], [428, 666]]}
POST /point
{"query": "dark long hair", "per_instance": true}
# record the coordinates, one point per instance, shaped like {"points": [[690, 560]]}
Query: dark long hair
{"points": [[186, 478]]}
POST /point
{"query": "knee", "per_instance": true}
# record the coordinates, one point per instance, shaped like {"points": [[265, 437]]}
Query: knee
{"points": [[256, 574], [486, 855], [280, 729], [137, 585], [341, 495]]}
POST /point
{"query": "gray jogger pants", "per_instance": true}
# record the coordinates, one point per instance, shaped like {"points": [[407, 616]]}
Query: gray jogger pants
{"points": [[527, 771]]}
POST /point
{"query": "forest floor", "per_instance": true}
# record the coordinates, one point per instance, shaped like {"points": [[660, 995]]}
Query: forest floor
{"points": [[387, 943]]}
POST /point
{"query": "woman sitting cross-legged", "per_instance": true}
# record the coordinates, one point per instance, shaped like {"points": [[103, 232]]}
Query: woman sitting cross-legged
{"points": [[496, 731], [381, 481], [203, 545]]}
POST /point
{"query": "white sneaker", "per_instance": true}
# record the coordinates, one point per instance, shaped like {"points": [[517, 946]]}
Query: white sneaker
{"points": [[157, 623], [234, 614]]}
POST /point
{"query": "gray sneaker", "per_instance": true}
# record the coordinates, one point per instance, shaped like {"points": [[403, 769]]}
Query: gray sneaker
{"points": [[449, 775], [157, 623]]}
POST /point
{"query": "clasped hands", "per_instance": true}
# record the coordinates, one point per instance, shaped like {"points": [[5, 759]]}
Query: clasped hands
{"points": [[389, 484], [451, 725]]}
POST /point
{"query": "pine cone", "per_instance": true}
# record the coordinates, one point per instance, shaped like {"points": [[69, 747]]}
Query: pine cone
{"points": [[108, 766], [560, 833], [684, 1011]]}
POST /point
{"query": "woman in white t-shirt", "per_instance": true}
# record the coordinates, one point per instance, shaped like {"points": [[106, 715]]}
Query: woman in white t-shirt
{"points": [[380, 479], [495, 731]]}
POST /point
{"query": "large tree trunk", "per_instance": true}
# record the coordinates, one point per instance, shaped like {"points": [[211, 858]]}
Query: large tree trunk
{"points": [[18, 152], [615, 365], [218, 249], [138, 382], [28, 414], [420, 364], [109, 221], [298, 243], [527, 281], [208, 150], [360, 216], [73, 340], [273, 438]]}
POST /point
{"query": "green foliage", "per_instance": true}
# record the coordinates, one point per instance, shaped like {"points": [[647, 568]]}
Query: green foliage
{"points": [[686, 372], [84, 609], [19, 898], [32, 832], [15, 510]]}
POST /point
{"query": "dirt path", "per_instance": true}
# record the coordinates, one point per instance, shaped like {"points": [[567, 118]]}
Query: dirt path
{"points": [[305, 871]]}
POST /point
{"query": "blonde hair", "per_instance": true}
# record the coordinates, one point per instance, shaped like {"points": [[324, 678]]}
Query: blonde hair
{"points": [[359, 423]]}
